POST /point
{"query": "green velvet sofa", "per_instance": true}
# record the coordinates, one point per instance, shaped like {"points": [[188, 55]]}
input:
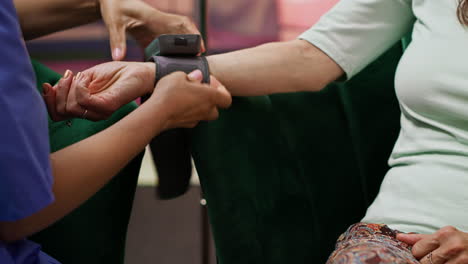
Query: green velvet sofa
{"points": [[284, 175]]}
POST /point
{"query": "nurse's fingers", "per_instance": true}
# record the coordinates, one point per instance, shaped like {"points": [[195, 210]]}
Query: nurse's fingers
{"points": [[223, 98]]}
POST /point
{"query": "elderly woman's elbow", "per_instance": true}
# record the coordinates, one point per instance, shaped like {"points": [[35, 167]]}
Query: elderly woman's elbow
{"points": [[316, 69]]}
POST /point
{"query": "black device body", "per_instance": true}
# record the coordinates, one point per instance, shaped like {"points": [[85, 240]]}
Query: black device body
{"points": [[188, 45], [172, 149]]}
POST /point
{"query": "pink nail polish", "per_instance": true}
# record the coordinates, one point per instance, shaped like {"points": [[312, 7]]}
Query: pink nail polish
{"points": [[67, 74], [117, 54], [195, 75]]}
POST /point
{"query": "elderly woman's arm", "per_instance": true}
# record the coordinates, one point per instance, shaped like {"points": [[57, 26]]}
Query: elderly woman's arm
{"points": [[275, 68], [342, 43]]}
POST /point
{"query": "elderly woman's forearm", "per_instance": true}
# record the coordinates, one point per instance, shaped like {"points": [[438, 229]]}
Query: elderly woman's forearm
{"points": [[275, 68]]}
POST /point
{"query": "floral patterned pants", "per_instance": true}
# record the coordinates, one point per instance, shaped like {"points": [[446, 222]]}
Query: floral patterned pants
{"points": [[365, 243]]}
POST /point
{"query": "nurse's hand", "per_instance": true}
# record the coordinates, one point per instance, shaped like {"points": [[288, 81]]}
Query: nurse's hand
{"points": [[187, 101], [142, 21], [447, 245]]}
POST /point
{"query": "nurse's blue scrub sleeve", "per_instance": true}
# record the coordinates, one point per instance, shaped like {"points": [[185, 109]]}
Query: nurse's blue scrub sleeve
{"points": [[25, 173]]}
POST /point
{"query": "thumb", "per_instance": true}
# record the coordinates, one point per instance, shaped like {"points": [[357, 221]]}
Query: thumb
{"points": [[410, 239], [214, 82], [117, 42], [225, 99]]}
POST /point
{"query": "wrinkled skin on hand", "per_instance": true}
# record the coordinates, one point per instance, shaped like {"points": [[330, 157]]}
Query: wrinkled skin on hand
{"points": [[446, 246], [122, 82]]}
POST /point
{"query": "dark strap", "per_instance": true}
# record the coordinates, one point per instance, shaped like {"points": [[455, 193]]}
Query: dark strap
{"points": [[172, 149], [168, 65]]}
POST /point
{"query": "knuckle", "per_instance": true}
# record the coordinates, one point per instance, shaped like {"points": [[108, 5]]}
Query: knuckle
{"points": [[449, 229], [458, 244], [446, 232], [454, 250], [440, 256], [183, 23]]}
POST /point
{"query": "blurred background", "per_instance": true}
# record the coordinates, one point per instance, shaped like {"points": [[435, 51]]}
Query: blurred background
{"points": [[177, 231]]}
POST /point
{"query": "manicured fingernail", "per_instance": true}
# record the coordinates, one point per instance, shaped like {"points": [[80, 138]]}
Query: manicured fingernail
{"points": [[77, 76], [67, 74], [195, 75], [117, 54]]}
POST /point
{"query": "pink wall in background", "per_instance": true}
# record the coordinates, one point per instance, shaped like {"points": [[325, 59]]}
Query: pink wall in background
{"points": [[295, 16], [233, 24], [302, 13]]}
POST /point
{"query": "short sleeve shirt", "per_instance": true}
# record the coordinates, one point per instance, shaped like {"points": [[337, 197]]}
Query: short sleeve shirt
{"points": [[426, 187], [25, 172]]}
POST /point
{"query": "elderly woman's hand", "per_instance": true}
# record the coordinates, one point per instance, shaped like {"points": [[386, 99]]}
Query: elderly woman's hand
{"points": [[447, 245], [142, 21], [99, 91]]}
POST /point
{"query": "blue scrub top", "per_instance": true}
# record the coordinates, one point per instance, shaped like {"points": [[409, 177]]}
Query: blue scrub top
{"points": [[25, 173]]}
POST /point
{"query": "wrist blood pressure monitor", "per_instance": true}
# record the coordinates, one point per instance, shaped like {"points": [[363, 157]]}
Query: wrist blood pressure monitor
{"points": [[172, 149]]}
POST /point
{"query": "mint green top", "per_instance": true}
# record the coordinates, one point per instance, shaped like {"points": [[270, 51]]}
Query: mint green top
{"points": [[427, 185]]}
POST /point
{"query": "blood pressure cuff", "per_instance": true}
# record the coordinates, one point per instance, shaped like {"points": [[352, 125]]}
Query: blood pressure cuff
{"points": [[172, 149], [168, 65]]}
